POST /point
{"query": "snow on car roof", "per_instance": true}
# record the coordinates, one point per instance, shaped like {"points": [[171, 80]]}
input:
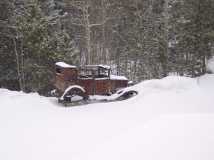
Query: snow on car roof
{"points": [[116, 77], [100, 65], [64, 65]]}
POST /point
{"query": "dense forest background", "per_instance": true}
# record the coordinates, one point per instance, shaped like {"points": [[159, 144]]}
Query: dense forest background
{"points": [[141, 39]]}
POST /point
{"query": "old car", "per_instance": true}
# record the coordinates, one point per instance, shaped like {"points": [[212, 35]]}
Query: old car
{"points": [[74, 84]]}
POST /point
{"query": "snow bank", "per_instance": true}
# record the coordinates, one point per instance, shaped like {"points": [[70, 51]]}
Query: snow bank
{"points": [[170, 118], [177, 137]]}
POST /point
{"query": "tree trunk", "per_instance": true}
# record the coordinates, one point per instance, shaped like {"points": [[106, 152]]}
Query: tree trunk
{"points": [[103, 32], [88, 35], [166, 38], [22, 66], [18, 64]]}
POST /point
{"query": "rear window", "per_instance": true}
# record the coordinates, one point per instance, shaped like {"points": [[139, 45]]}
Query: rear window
{"points": [[58, 70]]}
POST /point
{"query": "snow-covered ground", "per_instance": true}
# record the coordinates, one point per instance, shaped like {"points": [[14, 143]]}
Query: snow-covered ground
{"points": [[170, 119]]}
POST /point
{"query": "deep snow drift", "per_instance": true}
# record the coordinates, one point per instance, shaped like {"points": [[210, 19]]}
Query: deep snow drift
{"points": [[171, 118]]}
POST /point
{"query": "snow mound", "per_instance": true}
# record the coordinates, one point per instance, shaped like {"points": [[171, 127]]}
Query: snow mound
{"points": [[168, 84]]}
